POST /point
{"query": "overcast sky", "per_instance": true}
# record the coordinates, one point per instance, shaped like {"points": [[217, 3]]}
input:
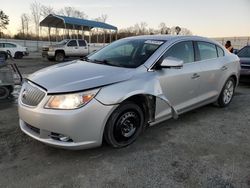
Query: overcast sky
{"points": [[211, 18]]}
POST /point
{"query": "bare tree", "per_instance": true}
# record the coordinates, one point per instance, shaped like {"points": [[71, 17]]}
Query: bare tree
{"points": [[4, 21], [46, 10], [185, 31], [73, 12], [25, 22], [103, 18], [140, 28], [162, 27], [36, 10]]}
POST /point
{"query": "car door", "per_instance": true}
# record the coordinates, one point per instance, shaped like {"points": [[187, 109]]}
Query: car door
{"points": [[11, 48], [71, 48], [83, 48], [212, 69], [179, 85]]}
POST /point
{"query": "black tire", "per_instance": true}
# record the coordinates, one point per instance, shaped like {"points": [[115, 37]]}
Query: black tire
{"points": [[227, 93], [51, 58], [124, 125], [4, 92], [18, 55], [59, 56]]}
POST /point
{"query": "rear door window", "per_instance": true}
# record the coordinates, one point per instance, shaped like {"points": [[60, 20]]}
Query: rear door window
{"points": [[81, 42], [182, 50], [9, 45], [72, 43], [207, 50]]}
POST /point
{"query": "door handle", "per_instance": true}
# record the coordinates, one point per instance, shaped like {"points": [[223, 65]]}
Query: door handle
{"points": [[224, 68], [195, 75]]}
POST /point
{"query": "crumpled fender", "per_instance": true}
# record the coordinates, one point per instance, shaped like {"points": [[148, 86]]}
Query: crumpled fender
{"points": [[145, 84]]}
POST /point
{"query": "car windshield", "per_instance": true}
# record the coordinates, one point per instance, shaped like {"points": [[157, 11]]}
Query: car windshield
{"points": [[63, 42], [244, 52], [128, 53]]}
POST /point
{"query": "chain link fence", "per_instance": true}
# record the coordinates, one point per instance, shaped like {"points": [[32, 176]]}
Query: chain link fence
{"points": [[237, 42], [36, 46]]}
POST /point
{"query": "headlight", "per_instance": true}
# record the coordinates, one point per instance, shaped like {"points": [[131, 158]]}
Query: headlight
{"points": [[51, 48], [71, 101]]}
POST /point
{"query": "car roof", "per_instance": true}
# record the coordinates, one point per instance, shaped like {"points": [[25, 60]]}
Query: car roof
{"points": [[170, 37], [9, 42], [173, 38]]}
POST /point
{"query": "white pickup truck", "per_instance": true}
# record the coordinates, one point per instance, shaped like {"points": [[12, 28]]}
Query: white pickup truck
{"points": [[68, 48]]}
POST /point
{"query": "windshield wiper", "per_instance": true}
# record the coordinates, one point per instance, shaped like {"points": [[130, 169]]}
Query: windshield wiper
{"points": [[104, 62]]}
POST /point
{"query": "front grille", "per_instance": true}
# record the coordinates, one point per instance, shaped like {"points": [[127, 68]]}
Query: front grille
{"points": [[45, 49], [31, 95]]}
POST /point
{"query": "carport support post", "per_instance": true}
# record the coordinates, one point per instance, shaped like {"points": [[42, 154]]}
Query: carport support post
{"points": [[104, 37], [89, 35], [49, 28], [116, 33], [74, 28], [56, 35], [65, 29], [97, 39], [110, 35], [82, 33]]}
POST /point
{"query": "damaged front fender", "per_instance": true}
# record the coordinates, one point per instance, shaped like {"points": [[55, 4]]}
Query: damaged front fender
{"points": [[145, 84]]}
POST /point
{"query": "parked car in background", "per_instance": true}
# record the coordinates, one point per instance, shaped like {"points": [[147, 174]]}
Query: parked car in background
{"points": [[17, 51], [244, 55], [114, 93], [67, 48]]}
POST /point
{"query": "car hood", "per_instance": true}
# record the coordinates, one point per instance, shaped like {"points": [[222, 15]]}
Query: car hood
{"points": [[79, 75]]}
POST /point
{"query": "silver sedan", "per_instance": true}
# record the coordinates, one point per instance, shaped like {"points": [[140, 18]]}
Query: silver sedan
{"points": [[114, 93]]}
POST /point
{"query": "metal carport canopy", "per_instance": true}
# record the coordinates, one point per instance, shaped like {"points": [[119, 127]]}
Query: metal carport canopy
{"points": [[66, 22]]}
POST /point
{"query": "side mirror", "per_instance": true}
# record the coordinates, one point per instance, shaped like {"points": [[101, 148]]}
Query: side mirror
{"points": [[171, 62]]}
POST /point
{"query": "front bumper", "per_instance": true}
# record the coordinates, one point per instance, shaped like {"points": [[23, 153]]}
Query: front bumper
{"points": [[83, 126], [51, 53]]}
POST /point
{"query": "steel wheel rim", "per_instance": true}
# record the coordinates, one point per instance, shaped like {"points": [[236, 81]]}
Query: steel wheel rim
{"points": [[60, 57], [126, 126], [228, 92]]}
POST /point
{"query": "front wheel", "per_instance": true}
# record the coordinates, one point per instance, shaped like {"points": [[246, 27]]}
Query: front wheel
{"points": [[59, 56], [124, 125], [227, 93]]}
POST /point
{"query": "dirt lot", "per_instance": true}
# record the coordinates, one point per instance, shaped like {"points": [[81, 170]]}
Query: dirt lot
{"points": [[208, 147]]}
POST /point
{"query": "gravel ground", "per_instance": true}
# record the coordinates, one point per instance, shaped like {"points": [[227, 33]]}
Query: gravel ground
{"points": [[207, 147]]}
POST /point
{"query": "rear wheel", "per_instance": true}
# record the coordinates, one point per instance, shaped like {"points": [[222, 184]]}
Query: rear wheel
{"points": [[59, 56], [124, 125], [227, 93], [4, 92], [18, 55]]}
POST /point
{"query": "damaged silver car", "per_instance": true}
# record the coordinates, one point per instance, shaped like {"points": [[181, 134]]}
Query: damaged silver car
{"points": [[114, 93]]}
